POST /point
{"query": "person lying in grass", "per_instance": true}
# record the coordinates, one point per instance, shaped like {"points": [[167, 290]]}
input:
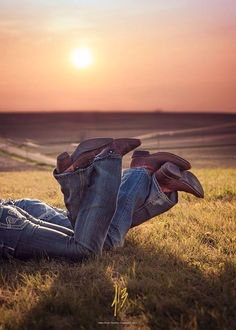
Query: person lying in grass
{"points": [[102, 204]]}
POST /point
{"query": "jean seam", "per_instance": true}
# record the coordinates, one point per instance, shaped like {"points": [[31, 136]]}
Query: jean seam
{"points": [[84, 245], [128, 200], [82, 184], [13, 227]]}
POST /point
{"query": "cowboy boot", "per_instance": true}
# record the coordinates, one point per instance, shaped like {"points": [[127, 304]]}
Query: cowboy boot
{"points": [[82, 156], [89, 149], [121, 146], [153, 162], [74, 185], [187, 182]]}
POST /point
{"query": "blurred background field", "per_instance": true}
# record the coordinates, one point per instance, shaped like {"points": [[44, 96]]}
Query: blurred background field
{"points": [[207, 140]]}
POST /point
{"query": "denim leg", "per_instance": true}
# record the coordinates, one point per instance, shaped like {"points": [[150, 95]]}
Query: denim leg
{"points": [[90, 197], [12, 223], [37, 242], [99, 203], [134, 189], [73, 187], [45, 224], [157, 202], [25, 239], [139, 199], [43, 211]]}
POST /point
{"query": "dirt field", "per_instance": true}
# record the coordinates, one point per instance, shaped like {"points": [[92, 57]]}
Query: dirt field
{"points": [[207, 140]]}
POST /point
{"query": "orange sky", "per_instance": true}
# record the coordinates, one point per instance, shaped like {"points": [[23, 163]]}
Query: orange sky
{"points": [[167, 54]]}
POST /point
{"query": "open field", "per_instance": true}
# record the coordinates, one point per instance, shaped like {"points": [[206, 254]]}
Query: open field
{"points": [[179, 269], [207, 140]]}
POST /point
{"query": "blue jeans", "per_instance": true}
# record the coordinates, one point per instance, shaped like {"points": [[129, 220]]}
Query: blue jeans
{"points": [[23, 236], [139, 199]]}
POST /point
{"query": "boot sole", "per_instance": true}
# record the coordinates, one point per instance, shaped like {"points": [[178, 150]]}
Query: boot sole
{"points": [[87, 150], [89, 145]]}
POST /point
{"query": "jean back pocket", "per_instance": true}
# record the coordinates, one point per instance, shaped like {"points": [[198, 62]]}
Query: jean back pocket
{"points": [[11, 218]]}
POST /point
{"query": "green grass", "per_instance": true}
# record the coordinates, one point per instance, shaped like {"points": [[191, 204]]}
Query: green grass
{"points": [[179, 268]]}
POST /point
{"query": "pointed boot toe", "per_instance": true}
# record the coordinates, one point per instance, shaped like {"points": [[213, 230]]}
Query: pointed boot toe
{"points": [[124, 145], [192, 183]]}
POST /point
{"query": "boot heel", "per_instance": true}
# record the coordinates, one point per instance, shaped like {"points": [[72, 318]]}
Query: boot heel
{"points": [[63, 162], [171, 170]]}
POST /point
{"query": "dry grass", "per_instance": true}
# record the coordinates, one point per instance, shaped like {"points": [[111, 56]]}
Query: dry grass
{"points": [[179, 268]]}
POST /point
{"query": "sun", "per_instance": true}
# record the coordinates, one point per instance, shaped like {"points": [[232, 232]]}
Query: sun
{"points": [[81, 57]]}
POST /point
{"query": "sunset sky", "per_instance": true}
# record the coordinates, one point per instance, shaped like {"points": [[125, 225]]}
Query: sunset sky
{"points": [[177, 55]]}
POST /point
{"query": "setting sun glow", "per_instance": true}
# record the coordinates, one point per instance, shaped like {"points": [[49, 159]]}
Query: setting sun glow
{"points": [[81, 57], [118, 55]]}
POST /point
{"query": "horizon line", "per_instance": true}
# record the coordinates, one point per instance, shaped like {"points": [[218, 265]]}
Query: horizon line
{"points": [[117, 111]]}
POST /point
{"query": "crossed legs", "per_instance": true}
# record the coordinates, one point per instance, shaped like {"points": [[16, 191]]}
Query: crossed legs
{"points": [[139, 199], [23, 237], [101, 206]]}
